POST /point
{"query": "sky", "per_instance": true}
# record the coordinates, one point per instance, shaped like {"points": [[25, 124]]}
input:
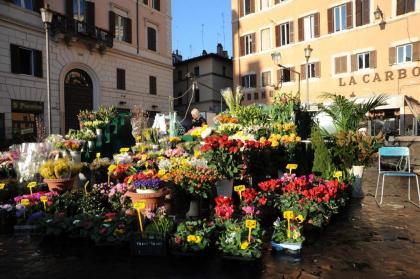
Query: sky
{"points": [[189, 17]]}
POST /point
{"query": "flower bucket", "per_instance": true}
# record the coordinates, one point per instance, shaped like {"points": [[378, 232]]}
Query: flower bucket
{"points": [[91, 145], [286, 247], [194, 210], [99, 132], [59, 185], [76, 156], [224, 188], [357, 191], [152, 198]]}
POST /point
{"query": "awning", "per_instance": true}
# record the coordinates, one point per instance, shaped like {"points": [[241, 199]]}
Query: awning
{"points": [[414, 106]]}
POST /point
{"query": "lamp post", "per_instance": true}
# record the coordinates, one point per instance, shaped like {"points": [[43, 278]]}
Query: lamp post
{"points": [[308, 52], [46, 16], [276, 57]]}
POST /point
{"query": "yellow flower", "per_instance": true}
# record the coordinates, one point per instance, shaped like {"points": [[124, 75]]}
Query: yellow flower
{"points": [[111, 168], [298, 139], [198, 239], [197, 153], [244, 245], [192, 238], [274, 143], [118, 232], [262, 139], [300, 218], [161, 173]]}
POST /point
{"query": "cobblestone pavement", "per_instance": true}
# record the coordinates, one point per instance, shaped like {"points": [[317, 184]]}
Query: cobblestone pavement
{"points": [[364, 242]]}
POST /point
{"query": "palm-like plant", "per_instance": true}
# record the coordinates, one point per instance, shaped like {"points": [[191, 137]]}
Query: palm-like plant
{"points": [[348, 115]]}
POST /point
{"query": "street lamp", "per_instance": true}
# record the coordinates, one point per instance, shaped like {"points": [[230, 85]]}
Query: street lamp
{"points": [[276, 58], [46, 15], [308, 52]]}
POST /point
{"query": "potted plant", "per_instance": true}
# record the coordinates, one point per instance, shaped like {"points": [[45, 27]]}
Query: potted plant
{"points": [[226, 156], [99, 168], [147, 186], [192, 237], [287, 239], [59, 174]]}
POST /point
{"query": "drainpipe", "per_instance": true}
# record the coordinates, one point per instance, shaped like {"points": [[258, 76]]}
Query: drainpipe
{"points": [[137, 25], [239, 39]]}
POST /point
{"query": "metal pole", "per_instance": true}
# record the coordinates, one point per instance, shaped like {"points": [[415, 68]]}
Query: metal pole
{"points": [[307, 83], [47, 57]]}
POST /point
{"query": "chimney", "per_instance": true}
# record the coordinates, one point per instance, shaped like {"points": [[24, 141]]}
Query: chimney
{"points": [[220, 49]]}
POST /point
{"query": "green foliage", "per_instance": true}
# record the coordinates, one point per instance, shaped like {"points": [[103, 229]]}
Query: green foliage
{"points": [[192, 236], [232, 102], [280, 232], [322, 157], [252, 115]]}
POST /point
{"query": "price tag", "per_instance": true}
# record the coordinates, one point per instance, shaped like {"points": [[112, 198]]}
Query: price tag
{"points": [[31, 185], [291, 167], [44, 200], [139, 205], [338, 174], [24, 202], [98, 155], [288, 215], [2, 185], [124, 150], [239, 189], [250, 224]]}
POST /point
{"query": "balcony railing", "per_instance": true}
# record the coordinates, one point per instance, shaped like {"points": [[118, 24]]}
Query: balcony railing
{"points": [[70, 27]]}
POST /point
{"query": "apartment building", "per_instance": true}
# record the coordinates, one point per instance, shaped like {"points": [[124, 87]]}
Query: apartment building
{"points": [[102, 52], [213, 72], [359, 48]]}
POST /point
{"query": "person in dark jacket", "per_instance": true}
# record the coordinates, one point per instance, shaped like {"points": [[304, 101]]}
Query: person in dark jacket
{"points": [[197, 119]]}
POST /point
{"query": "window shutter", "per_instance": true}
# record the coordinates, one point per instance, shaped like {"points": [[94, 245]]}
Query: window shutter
{"points": [[14, 59], [317, 69], [400, 7], [292, 73], [317, 26], [241, 8], [253, 43], [277, 35], [112, 22], [343, 64], [337, 65], [349, 10], [416, 51], [37, 63], [291, 32], [330, 20], [242, 46], [392, 57], [365, 12], [300, 29], [243, 81], [372, 59], [354, 67], [129, 30], [90, 16], [252, 8], [279, 76], [303, 71], [69, 8], [410, 6], [359, 9]]}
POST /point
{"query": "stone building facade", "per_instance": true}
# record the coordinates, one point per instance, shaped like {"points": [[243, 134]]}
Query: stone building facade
{"points": [[112, 53]]}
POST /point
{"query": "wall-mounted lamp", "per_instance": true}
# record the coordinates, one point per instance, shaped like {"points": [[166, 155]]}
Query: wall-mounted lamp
{"points": [[379, 15]]}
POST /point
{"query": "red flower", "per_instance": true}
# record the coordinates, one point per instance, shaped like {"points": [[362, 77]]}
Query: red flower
{"points": [[262, 200], [249, 195]]}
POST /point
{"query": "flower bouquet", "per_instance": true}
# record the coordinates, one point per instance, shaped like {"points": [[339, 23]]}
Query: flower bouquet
{"points": [[59, 174], [192, 237], [120, 171]]}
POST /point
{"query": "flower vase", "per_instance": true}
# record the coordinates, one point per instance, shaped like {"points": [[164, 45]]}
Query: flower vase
{"points": [[224, 188], [59, 185], [99, 132], [357, 191], [194, 210], [76, 156], [91, 145]]}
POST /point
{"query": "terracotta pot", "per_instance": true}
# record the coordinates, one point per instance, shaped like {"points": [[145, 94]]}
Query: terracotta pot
{"points": [[60, 185], [153, 199]]}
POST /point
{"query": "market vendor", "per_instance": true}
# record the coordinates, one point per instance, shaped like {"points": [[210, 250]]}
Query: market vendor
{"points": [[197, 119]]}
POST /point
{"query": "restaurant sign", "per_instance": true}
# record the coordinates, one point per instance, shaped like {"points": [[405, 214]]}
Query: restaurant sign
{"points": [[381, 77], [27, 106]]}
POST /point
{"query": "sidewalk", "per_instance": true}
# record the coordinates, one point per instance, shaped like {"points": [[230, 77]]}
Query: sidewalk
{"points": [[364, 242]]}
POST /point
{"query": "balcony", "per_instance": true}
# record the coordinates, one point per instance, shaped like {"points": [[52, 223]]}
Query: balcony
{"points": [[72, 30]]}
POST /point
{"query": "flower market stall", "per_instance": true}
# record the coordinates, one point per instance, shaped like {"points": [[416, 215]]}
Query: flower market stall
{"points": [[236, 189]]}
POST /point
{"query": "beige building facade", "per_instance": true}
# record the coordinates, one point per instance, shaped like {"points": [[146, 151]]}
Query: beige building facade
{"points": [[101, 53], [360, 48]]}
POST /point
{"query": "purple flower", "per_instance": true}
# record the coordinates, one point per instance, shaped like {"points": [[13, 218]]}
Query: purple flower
{"points": [[153, 184]]}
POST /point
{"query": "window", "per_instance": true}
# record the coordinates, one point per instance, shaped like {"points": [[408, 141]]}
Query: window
{"points": [[362, 12], [249, 81], [363, 61], [285, 75], [266, 78], [340, 18], [285, 34], [264, 4], [405, 6], [279, 1], [25, 61], [340, 64], [151, 38], [404, 53], [265, 39], [122, 28], [152, 85], [197, 71], [249, 96], [263, 95], [146, 2], [79, 10], [179, 75], [309, 27], [156, 4], [310, 71], [256, 96], [248, 43], [197, 95], [120, 79], [247, 6], [33, 5]]}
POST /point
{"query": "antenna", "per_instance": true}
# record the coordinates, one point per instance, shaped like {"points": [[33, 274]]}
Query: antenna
{"points": [[202, 35], [223, 27]]}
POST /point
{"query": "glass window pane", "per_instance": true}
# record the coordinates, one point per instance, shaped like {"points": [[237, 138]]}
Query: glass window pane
{"points": [[28, 4], [400, 54], [343, 17], [337, 18], [408, 53], [360, 61], [367, 58]]}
